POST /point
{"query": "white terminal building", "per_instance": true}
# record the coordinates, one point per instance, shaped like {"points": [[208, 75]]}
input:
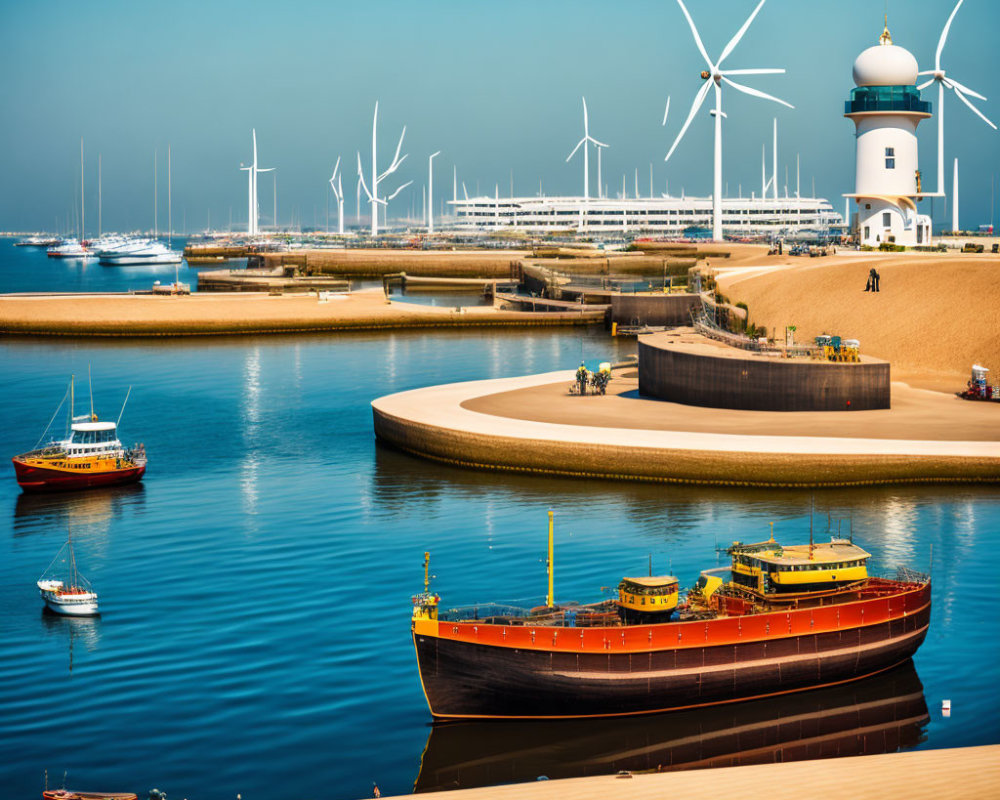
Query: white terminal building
{"points": [[886, 109], [791, 217]]}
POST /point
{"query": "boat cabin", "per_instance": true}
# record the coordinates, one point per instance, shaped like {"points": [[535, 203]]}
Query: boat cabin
{"points": [[92, 439], [769, 568], [646, 600]]}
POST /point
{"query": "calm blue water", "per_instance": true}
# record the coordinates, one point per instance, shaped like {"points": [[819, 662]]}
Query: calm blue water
{"points": [[256, 587], [29, 269]]}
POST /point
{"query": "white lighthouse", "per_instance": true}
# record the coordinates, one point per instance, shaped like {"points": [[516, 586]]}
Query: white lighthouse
{"points": [[886, 109]]}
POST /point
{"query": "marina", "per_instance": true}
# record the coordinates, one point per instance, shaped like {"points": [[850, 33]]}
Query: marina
{"points": [[762, 430]]}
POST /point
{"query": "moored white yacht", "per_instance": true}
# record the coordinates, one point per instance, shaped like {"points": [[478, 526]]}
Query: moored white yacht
{"points": [[141, 251], [69, 248], [74, 597]]}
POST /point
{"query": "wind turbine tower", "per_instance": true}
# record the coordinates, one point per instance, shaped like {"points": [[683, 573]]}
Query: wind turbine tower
{"points": [[377, 177], [584, 142], [714, 77], [430, 191], [253, 210]]}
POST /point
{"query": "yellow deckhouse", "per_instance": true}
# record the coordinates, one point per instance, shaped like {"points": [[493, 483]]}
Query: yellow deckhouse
{"points": [[768, 568], [647, 600]]}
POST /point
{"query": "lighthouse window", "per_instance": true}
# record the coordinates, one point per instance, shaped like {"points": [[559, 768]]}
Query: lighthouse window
{"points": [[890, 158]]}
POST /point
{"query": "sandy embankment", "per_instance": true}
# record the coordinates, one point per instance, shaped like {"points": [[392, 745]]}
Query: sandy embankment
{"points": [[149, 315], [933, 318], [966, 772], [532, 424]]}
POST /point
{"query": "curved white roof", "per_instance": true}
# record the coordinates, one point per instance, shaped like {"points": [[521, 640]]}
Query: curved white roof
{"points": [[93, 426], [885, 65]]}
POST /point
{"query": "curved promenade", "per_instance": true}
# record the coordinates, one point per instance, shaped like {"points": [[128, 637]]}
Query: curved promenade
{"points": [[442, 423]]}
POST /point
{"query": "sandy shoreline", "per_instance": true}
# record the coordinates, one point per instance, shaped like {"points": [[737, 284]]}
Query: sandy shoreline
{"points": [[966, 772], [240, 313]]}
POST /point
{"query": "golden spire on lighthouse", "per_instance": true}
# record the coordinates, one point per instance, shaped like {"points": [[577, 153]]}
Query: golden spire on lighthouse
{"points": [[886, 37]]}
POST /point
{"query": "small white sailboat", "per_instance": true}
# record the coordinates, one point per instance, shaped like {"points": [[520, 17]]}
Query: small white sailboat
{"points": [[74, 597]]}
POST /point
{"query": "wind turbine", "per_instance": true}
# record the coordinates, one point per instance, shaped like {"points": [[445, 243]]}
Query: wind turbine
{"points": [[253, 211], [338, 192], [377, 178], [587, 139], [944, 82], [715, 76], [430, 192]]}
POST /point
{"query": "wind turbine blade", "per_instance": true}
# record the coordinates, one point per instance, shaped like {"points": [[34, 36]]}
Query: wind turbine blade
{"points": [[944, 35], [400, 145], [576, 148], [398, 190], [666, 112], [361, 178], [766, 71], [336, 167], [698, 100], [697, 38], [963, 89], [755, 92], [977, 112], [586, 120], [269, 169], [923, 86], [433, 155], [594, 141], [739, 34]]}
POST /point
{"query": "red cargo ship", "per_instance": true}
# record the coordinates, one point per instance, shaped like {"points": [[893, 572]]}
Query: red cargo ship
{"points": [[786, 620]]}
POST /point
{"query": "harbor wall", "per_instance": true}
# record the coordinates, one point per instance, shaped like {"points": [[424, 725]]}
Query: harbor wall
{"points": [[758, 383], [663, 465], [653, 309]]}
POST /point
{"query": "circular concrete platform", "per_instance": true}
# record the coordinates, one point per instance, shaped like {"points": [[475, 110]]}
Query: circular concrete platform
{"points": [[532, 424]]}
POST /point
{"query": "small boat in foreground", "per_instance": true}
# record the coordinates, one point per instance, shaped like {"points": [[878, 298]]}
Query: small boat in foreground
{"points": [[90, 456], [73, 597], [68, 794], [786, 620]]}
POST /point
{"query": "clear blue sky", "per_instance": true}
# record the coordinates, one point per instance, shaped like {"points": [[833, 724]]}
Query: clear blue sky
{"points": [[495, 86]]}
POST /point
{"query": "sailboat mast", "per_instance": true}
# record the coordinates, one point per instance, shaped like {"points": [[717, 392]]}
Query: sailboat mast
{"points": [[100, 204], [170, 219], [90, 383], [72, 399], [83, 210]]}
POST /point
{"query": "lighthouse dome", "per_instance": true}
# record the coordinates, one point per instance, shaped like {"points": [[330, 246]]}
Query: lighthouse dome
{"points": [[885, 65]]}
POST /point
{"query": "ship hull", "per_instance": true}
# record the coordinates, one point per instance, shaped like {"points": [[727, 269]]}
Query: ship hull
{"points": [[483, 671], [42, 479]]}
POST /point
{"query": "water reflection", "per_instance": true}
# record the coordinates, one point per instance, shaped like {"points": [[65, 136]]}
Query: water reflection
{"points": [[77, 632], [94, 509], [252, 416], [877, 715]]}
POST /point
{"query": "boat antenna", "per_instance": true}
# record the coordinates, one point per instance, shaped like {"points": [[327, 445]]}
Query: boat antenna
{"points": [[90, 383], [53, 419], [650, 565], [123, 406], [772, 531], [72, 401], [852, 526], [550, 564], [427, 577]]}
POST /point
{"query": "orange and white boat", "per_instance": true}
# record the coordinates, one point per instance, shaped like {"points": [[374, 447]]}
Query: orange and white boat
{"points": [[72, 597], [69, 794], [90, 456]]}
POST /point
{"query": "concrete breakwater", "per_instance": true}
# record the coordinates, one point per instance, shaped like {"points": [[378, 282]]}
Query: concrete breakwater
{"points": [[207, 314], [531, 424]]}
